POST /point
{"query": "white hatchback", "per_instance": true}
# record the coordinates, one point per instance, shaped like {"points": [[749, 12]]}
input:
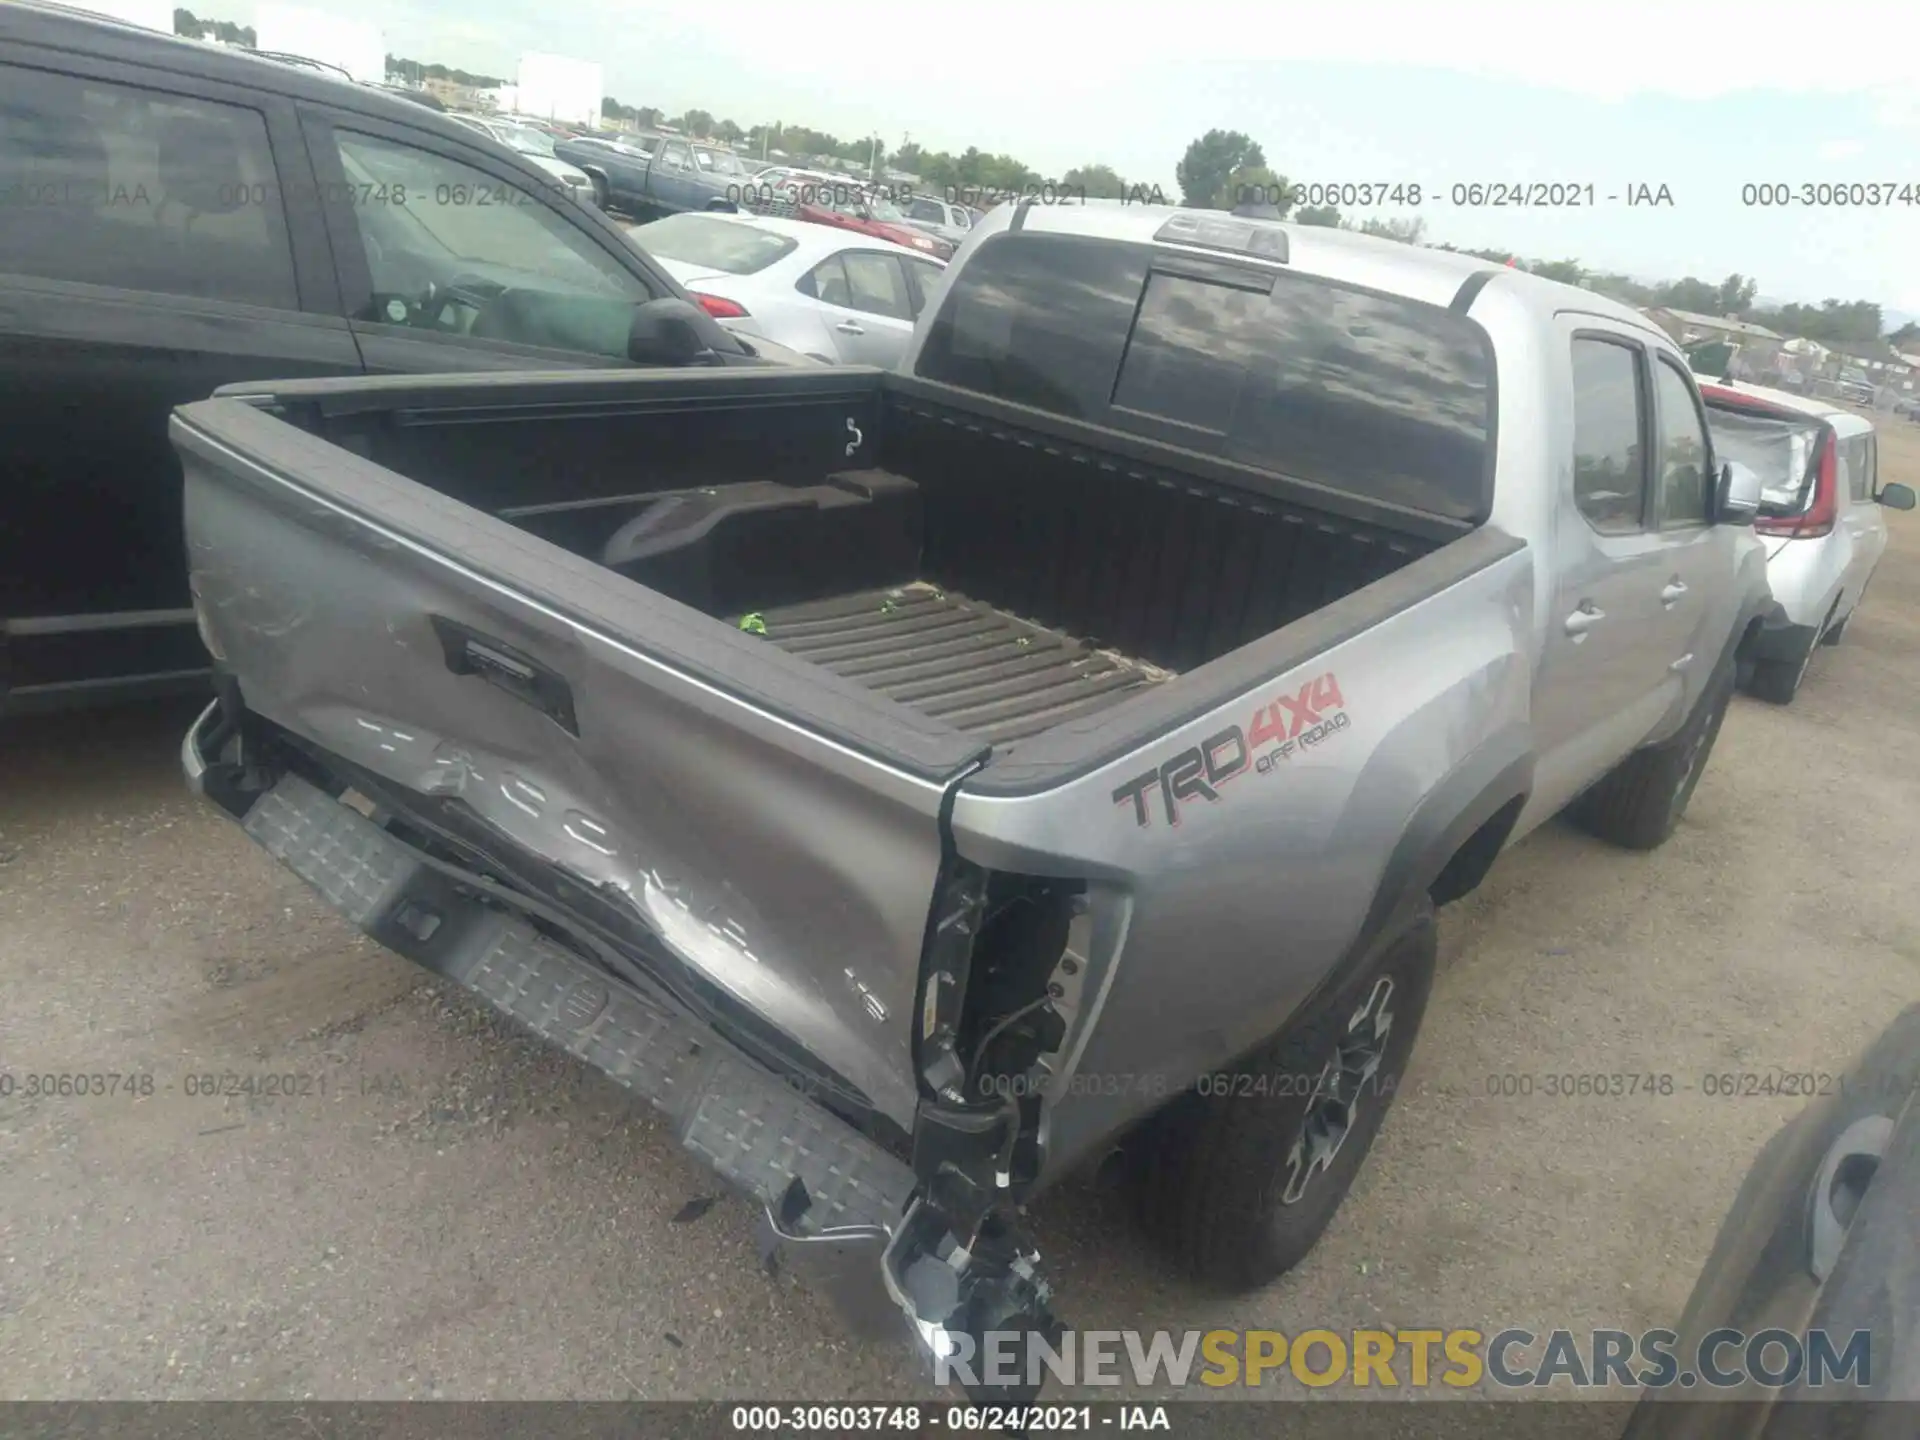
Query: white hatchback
{"points": [[831, 294], [1820, 516]]}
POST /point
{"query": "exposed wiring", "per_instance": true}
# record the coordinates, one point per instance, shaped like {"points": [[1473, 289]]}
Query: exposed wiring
{"points": [[1000, 1028]]}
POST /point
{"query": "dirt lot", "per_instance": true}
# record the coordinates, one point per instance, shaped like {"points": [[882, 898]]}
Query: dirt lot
{"points": [[463, 1214]]}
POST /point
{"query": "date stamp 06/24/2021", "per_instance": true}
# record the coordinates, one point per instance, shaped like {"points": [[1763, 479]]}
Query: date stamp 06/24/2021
{"points": [[272, 1086], [264, 1085]]}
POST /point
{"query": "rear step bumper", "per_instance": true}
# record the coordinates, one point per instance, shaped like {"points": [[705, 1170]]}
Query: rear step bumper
{"points": [[837, 1209]]}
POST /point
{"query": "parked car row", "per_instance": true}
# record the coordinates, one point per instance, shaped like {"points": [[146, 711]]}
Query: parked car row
{"points": [[823, 199], [179, 217], [536, 145], [650, 175], [833, 296]]}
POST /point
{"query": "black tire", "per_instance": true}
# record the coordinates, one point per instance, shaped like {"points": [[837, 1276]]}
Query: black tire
{"points": [[1216, 1166], [1637, 804]]}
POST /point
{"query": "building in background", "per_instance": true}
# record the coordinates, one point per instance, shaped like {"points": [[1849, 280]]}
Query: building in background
{"points": [[349, 45], [455, 96], [557, 88]]}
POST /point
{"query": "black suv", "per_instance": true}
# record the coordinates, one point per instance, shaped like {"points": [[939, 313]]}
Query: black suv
{"points": [[176, 216]]}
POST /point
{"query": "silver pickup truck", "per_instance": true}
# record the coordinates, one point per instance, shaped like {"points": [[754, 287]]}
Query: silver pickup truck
{"points": [[920, 784]]}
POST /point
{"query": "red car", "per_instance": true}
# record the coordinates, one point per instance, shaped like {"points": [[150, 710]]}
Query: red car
{"points": [[824, 199], [870, 214]]}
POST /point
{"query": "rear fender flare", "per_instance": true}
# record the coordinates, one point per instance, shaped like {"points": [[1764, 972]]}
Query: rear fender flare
{"points": [[1492, 778]]}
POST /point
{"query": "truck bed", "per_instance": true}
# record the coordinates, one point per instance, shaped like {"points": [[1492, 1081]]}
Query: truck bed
{"points": [[956, 659], [959, 583]]}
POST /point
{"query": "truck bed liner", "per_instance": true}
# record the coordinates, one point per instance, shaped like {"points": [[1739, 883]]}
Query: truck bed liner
{"points": [[958, 660]]}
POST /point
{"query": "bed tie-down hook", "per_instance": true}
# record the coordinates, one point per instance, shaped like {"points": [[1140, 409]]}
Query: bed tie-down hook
{"points": [[853, 430]]}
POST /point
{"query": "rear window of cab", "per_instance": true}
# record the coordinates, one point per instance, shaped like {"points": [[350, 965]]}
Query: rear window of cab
{"points": [[1373, 395]]}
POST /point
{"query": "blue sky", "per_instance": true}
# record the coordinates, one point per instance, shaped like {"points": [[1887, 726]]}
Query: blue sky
{"points": [[1701, 97]]}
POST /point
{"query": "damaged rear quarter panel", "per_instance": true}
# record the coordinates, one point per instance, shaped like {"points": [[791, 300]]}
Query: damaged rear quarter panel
{"points": [[1204, 936], [790, 873]]}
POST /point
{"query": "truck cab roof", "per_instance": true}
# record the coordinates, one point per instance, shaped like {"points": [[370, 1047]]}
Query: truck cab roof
{"points": [[1345, 256]]}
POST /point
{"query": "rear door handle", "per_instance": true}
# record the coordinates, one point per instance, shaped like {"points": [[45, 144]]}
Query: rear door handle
{"points": [[1584, 619], [847, 327], [1672, 593]]}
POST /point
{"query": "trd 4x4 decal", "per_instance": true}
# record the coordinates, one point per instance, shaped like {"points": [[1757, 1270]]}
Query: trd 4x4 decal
{"points": [[1277, 730]]}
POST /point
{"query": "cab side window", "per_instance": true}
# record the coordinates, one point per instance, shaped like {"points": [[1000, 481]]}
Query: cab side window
{"points": [[457, 252], [1609, 454], [1685, 456]]}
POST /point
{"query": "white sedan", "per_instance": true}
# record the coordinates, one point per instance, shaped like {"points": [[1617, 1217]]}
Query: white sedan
{"points": [[832, 294]]}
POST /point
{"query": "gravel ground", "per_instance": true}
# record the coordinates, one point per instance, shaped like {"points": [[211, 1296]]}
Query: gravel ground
{"points": [[453, 1211]]}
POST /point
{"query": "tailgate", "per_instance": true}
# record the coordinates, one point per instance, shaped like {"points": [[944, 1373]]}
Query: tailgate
{"points": [[776, 829]]}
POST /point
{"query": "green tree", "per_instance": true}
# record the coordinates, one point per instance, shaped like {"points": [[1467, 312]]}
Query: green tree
{"points": [[696, 122], [1407, 232], [728, 131], [1204, 170], [1324, 215], [1624, 288], [1568, 272], [1254, 184], [1691, 293], [909, 157], [1906, 337], [1099, 182], [798, 140], [1736, 294], [1832, 322], [938, 170]]}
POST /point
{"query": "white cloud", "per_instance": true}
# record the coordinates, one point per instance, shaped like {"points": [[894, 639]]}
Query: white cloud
{"points": [[1624, 48]]}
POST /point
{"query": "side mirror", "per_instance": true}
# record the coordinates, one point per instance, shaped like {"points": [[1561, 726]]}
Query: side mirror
{"points": [[1896, 496], [668, 331], [1737, 497]]}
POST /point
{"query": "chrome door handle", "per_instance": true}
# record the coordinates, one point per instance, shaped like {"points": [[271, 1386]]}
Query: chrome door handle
{"points": [[1584, 619], [847, 327], [1672, 593]]}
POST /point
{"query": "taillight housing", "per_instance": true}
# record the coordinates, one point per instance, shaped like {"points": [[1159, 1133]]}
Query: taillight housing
{"points": [[719, 307], [1817, 519]]}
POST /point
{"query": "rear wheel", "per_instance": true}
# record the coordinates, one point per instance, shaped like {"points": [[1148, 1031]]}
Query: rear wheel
{"points": [[1240, 1176], [1639, 802]]}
